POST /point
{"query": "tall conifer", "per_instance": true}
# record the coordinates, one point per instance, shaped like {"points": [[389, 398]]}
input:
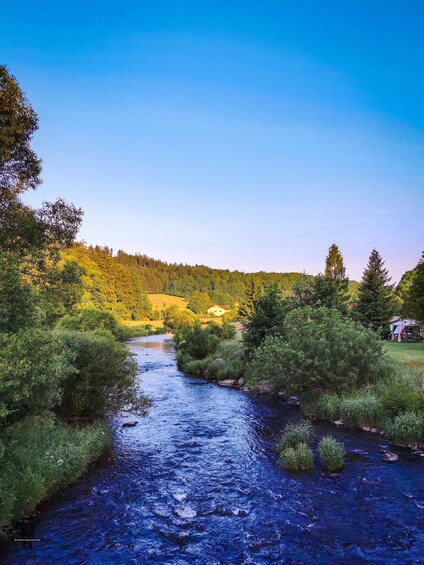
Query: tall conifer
{"points": [[336, 271]]}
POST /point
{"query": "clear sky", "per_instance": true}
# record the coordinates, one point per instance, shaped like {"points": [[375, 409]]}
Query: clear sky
{"points": [[240, 134]]}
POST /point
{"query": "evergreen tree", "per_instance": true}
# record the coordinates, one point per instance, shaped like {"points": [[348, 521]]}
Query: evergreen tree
{"points": [[415, 300], [374, 296], [251, 294], [336, 271]]}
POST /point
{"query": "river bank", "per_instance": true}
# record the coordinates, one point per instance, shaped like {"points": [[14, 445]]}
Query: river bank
{"points": [[197, 481]]}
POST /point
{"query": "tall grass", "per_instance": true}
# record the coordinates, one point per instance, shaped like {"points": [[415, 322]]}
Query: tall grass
{"points": [[299, 458], [406, 428], [294, 435], [363, 408], [331, 453], [41, 456]]}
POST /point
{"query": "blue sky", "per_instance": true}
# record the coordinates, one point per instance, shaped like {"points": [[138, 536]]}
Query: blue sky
{"points": [[246, 135]]}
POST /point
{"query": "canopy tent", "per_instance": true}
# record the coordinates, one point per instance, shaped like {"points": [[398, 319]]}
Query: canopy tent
{"points": [[399, 327]]}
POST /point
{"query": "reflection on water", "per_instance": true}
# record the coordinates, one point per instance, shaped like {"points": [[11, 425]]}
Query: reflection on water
{"points": [[197, 482]]}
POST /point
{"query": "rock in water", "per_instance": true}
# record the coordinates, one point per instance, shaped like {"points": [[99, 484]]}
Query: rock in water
{"points": [[339, 423], [240, 382], [390, 457], [227, 382], [129, 424]]}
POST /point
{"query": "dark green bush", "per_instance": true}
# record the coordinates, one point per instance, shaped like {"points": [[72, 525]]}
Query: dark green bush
{"points": [[398, 397], [322, 351], [104, 376], [89, 320], [34, 365], [331, 453]]}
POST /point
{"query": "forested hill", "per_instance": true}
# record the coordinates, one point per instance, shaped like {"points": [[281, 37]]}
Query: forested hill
{"points": [[222, 285], [119, 283]]}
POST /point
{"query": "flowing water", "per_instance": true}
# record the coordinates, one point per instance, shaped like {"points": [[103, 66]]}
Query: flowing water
{"points": [[197, 482]]}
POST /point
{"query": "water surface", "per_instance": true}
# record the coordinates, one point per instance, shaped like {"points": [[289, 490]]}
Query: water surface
{"points": [[196, 482]]}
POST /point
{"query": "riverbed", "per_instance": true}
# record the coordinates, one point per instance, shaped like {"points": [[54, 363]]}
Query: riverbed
{"points": [[197, 482]]}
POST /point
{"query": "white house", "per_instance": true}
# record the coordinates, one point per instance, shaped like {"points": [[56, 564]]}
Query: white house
{"points": [[217, 310]]}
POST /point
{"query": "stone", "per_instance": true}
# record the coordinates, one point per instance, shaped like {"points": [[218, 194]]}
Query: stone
{"points": [[294, 400], [129, 424], [373, 430], [264, 388], [390, 457], [339, 423], [365, 428], [419, 453], [227, 382], [246, 389], [218, 362], [240, 382]]}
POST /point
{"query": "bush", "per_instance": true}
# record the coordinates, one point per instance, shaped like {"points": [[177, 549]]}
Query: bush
{"points": [[104, 376], [89, 320], [175, 318], [363, 408], [294, 435], [398, 397], [40, 457], [322, 351], [34, 366], [196, 342], [331, 453], [299, 458], [406, 428]]}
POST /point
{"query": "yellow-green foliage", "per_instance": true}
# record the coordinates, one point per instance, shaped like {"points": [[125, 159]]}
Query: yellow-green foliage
{"points": [[299, 458], [331, 453]]}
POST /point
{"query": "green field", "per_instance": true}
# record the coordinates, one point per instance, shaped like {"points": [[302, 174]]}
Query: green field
{"points": [[409, 353]]}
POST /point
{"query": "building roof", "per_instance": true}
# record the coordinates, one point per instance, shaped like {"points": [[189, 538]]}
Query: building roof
{"points": [[220, 306]]}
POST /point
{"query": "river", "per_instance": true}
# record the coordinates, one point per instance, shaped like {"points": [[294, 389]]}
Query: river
{"points": [[197, 482]]}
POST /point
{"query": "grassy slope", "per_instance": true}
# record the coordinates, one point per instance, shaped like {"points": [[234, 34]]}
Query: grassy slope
{"points": [[410, 353], [163, 301]]}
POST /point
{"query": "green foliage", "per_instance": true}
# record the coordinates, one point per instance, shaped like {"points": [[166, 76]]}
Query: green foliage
{"points": [[108, 285], [18, 305], [103, 379], [196, 342], [252, 293], [414, 306], [398, 397], [325, 406], [317, 293], [34, 366], [294, 435], [374, 307], [361, 408], [40, 457], [199, 302], [331, 453], [174, 318], [406, 428], [299, 458], [267, 319], [20, 168], [336, 272], [322, 352], [89, 320]]}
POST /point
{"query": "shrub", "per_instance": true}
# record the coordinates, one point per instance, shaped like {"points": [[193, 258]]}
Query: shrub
{"points": [[363, 408], [331, 453], [104, 376], [89, 320], [175, 318], [33, 368], [398, 397], [196, 342], [294, 435], [406, 428], [322, 351], [299, 458]]}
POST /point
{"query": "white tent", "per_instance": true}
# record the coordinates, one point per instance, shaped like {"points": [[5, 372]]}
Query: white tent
{"points": [[399, 326]]}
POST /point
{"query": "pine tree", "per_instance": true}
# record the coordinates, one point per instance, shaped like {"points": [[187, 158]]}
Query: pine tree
{"points": [[415, 300], [374, 296], [252, 293], [336, 271]]}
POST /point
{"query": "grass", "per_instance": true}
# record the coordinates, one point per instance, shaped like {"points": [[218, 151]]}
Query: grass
{"points": [[410, 353], [294, 435], [299, 458], [41, 456], [331, 453], [162, 301]]}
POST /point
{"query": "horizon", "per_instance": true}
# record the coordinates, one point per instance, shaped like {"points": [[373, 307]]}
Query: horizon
{"points": [[244, 139]]}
